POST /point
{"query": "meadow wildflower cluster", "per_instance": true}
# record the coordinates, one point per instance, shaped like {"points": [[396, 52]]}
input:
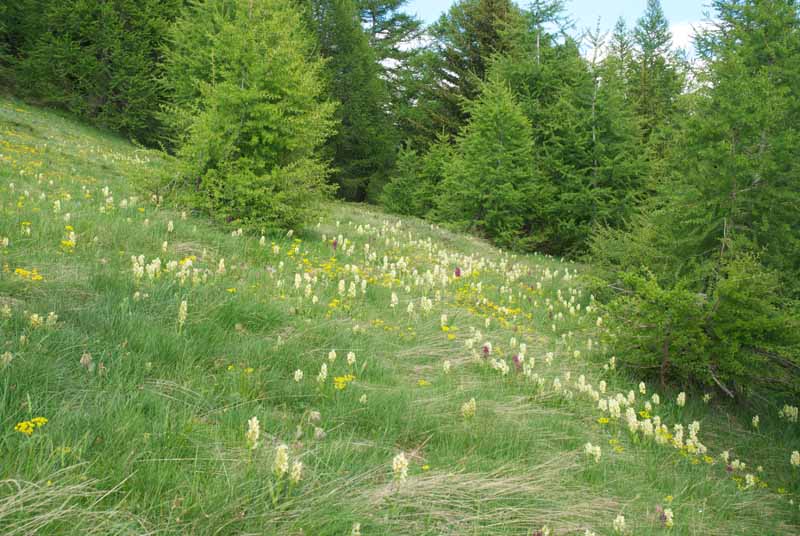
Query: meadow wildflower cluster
{"points": [[483, 376], [28, 427]]}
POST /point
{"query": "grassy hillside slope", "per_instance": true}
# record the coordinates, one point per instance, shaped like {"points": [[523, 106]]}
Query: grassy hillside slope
{"points": [[148, 338]]}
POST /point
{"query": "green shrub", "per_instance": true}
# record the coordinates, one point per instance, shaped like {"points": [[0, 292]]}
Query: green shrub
{"points": [[247, 92], [734, 337]]}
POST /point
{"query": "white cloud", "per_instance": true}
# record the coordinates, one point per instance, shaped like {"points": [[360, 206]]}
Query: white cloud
{"points": [[683, 33]]}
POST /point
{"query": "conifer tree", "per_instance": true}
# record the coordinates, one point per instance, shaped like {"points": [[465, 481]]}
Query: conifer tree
{"points": [[586, 137], [465, 38], [248, 94], [491, 185], [417, 182], [99, 60], [657, 74], [620, 54], [363, 149], [390, 29], [710, 264]]}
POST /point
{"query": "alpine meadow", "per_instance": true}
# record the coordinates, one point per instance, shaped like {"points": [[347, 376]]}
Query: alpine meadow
{"points": [[319, 268]]}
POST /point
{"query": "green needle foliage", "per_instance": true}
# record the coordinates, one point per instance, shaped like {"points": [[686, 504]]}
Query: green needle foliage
{"points": [[362, 149], [418, 180], [709, 267], [490, 185], [100, 60], [248, 101]]}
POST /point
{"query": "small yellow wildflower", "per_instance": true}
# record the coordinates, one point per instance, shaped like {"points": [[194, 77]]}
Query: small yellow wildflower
{"points": [[24, 427], [39, 421], [31, 275], [280, 465], [27, 427], [340, 382]]}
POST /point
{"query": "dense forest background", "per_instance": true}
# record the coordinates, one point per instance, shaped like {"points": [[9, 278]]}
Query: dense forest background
{"points": [[677, 181]]}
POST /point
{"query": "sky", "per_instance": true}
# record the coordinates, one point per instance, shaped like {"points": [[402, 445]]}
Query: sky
{"points": [[682, 14]]}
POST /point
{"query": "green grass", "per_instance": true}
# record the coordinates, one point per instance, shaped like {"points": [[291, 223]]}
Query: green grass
{"points": [[148, 437]]}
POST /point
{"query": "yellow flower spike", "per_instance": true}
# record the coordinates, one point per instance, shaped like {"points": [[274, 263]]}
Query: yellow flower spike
{"points": [[423, 383]]}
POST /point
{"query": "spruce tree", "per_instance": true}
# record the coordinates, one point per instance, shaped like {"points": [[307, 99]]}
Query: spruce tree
{"points": [[390, 29], [587, 140], [100, 60], [709, 266], [620, 55], [363, 149], [491, 185], [464, 40], [657, 73], [416, 184]]}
